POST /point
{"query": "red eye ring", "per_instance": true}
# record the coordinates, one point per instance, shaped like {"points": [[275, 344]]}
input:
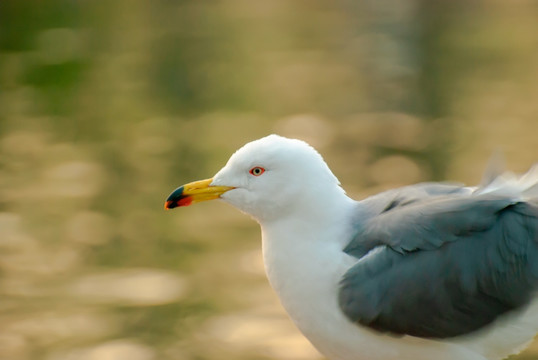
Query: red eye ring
{"points": [[257, 171]]}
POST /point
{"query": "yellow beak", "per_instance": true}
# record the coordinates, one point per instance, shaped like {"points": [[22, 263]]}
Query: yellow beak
{"points": [[194, 192]]}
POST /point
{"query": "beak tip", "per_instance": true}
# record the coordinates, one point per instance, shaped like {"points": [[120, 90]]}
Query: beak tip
{"points": [[169, 205], [174, 200]]}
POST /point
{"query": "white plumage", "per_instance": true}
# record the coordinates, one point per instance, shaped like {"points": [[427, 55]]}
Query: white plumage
{"points": [[308, 224]]}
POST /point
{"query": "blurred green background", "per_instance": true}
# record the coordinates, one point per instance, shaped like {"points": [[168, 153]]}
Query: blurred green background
{"points": [[107, 106]]}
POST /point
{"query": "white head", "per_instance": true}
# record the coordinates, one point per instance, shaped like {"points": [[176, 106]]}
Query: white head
{"points": [[269, 178]]}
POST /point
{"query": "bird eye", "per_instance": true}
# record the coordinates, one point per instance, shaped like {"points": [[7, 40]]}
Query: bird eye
{"points": [[257, 171]]}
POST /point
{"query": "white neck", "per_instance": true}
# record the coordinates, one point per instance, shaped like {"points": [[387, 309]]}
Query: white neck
{"points": [[304, 263]]}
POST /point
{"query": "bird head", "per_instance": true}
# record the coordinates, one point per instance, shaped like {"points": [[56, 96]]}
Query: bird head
{"points": [[266, 178]]}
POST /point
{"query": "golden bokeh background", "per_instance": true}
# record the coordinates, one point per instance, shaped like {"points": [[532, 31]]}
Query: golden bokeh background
{"points": [[107, 106]]}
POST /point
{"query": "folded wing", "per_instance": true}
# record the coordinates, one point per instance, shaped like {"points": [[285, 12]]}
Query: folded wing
{"points": [[443, 266]]}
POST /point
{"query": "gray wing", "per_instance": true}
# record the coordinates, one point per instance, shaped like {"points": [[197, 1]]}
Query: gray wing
{"points": [[443, 267]]}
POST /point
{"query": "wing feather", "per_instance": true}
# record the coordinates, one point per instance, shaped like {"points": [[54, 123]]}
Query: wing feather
{"points": [[443, 267]]}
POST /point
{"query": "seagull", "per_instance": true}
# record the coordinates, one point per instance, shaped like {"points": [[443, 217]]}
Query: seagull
{"points": [[428, 271]]}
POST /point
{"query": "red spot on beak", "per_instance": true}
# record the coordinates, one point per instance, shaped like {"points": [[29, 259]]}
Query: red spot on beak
{"points": [[186, 201]]}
